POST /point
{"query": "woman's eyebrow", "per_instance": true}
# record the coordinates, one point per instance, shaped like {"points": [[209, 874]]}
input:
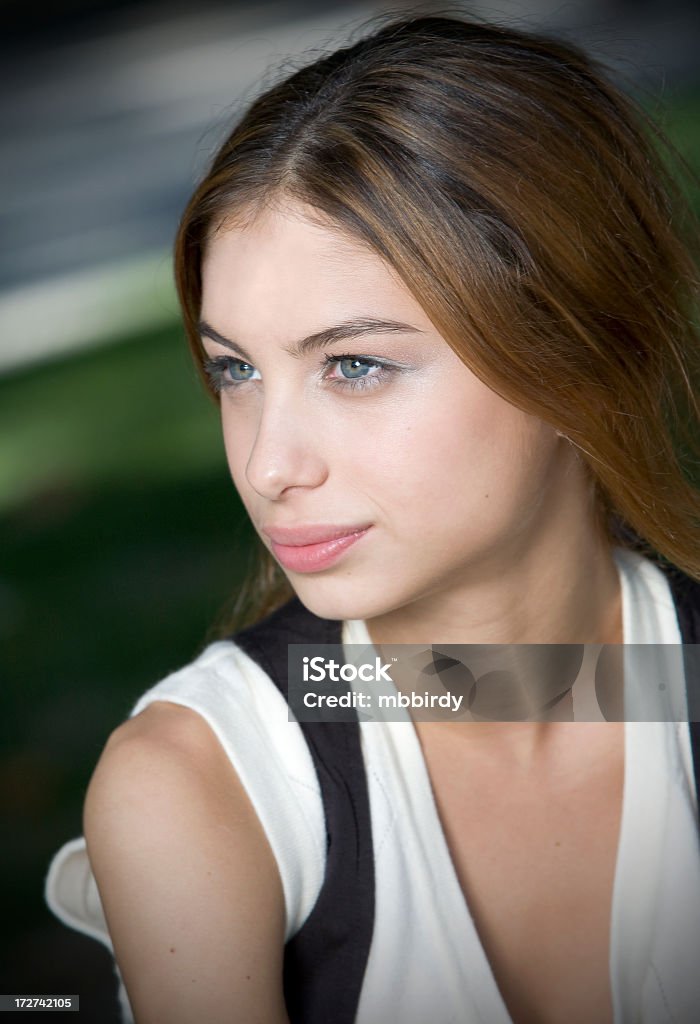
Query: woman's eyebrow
{"points": [[355, 328]]}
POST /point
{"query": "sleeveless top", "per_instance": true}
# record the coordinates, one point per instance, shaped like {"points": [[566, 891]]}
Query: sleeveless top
{"points": [[438, 970]]}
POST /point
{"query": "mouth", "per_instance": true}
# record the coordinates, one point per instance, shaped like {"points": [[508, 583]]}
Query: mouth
{"points": [[303, 550]]}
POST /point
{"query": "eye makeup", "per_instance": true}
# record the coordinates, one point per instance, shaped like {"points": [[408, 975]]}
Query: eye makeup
{"points": [[220, 372]]}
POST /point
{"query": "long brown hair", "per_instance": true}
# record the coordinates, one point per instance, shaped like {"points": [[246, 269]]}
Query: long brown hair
{"points": [[521, 199]]}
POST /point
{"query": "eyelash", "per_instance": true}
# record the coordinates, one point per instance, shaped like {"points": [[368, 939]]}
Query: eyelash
{"points": [[217, 367]]}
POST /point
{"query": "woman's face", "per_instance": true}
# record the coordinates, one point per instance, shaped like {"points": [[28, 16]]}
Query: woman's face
{"points": [[381, 427]]}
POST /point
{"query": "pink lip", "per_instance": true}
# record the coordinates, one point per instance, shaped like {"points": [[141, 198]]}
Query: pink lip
{"points": [[311, 548], [295, 536]]}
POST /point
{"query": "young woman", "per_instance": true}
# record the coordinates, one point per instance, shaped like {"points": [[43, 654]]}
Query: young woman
{"points": [[434, 283]]}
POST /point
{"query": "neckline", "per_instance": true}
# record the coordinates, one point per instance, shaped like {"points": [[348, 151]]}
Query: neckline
{"points": [[640, 789]]}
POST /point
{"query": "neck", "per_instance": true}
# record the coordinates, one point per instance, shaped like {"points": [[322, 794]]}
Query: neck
{"points": [[556, 583]]}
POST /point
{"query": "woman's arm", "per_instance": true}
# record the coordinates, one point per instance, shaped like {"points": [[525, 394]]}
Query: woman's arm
{"points": [[189, 885]]}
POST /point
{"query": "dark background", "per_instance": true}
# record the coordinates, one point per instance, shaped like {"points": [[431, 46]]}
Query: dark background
{"points": [[121, 538]]}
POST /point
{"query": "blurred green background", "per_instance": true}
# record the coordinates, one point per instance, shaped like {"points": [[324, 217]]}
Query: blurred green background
{"points": [[122, 541]]}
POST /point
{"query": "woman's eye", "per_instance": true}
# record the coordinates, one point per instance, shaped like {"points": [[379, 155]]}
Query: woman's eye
{"points": [[356, 372], [354, 368], [226, 372]]}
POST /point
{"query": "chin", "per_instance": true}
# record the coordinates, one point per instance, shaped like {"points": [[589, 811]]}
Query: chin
{"points": [[338, 599]]}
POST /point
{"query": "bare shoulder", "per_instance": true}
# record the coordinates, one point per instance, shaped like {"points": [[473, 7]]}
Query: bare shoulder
{"points": [[189, 885], [170, 751], [165, 730]]}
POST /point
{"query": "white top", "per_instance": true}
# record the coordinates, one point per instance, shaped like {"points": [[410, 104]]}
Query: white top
{"points": [[439, 971]]}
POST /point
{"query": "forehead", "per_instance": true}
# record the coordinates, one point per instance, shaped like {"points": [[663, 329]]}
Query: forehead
{"points": [[283, 269]]}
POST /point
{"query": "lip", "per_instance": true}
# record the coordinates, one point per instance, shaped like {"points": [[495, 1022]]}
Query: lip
{"points": [[300, 555], [303, 535]]}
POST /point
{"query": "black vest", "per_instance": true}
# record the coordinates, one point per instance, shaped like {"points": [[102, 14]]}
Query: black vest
{"points": [[324, 963]]}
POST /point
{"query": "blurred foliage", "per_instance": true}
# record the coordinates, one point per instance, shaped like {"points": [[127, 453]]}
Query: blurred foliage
{"points": [[132, 411], [681, 122]]}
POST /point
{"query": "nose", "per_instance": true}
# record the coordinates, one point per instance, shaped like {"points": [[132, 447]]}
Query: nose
{"points": [[285, 452]]}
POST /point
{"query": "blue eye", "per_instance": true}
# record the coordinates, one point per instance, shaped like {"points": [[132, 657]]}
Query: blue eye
{"points": [[356, 374], [237, 368], [357, 367], [225, 372]]}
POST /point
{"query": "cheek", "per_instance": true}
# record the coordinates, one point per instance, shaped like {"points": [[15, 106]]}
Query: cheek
{"points": [[472, 449], [237, 445], [434, 443]]}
